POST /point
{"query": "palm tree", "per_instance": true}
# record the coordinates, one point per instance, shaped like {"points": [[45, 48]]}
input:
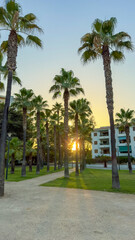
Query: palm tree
{"points": [[86, 126], [54, 118], [102, 42], [30, 152], [70, 86], [11, 20], [57, 109], [15, 145], [79, 108], [124, 121], [23, 101], [39, 106], [47, 120]]}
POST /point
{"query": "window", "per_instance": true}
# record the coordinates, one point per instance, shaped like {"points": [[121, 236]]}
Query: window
{"points": [[133, 128], [95, 134], [96, 151], [95, 143]]}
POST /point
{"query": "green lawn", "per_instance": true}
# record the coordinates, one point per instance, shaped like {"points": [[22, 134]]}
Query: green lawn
{"points": [[16, 177], [95, 179]]}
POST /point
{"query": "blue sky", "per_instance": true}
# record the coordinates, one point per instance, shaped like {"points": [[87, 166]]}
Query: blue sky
{"points": [[64, 23]]}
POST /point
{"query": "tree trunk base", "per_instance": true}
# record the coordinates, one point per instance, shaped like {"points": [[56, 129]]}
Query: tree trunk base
{"points": [[66, 175], [1, 188], [30, 169], [115, 182], [23, 173]]}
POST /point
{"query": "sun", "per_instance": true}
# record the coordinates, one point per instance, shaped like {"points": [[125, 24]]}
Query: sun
{"points": [[74, 146]]}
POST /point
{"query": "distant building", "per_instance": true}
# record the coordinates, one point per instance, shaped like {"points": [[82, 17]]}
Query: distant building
{"points": [[2, 99], [101, 142]]}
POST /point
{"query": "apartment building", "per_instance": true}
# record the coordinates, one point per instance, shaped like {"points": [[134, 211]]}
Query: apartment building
{"points": [[101, 142]]}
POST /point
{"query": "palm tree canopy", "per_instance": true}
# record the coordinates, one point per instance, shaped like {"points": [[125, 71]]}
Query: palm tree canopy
{"points": [[86, 126], [125, 118], [80, 107], [39, 104], [103, 35], [11, 19], [24, 98], [57, 107], [66, 82]]}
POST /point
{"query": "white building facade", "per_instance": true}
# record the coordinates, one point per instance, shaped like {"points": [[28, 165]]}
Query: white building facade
{"points": [[101, 142]]}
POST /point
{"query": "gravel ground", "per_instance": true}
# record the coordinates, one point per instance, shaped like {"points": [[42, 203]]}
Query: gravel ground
{"points": [[31, 212]]}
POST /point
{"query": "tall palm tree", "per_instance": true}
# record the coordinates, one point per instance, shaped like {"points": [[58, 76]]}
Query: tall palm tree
{"points": [[124, 121], [23, 100], [30, 152], [57, 109], [70, 86], [86, 126], [78, 108], [11, 20], [39, 106], [102, 42], [47, 120], [53, 121]]}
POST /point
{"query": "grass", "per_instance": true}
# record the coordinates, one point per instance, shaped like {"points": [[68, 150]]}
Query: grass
{"points": [[16, 177], [96, 179]]}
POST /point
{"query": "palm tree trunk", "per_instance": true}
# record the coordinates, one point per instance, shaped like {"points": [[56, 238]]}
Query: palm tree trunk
{"points": [[83, 155], [11, 63], [4, 133], [48, 151], [12, 164], [129, 159], [38, 143], [66, 169], [81, 160], [109, 100], [59, 144], [41, 155], [23, 173], [76, 131], [55, 158]]}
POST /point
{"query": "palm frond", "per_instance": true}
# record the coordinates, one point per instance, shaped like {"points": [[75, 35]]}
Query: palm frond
{"points": [[97, 25], [12, 7], [17, 80], [89, 55], [125, 45], [56, 94], [20, 40], [108, 26], [117, 56], [34, 40], [2, 88], [3, 17], [4, 46]]}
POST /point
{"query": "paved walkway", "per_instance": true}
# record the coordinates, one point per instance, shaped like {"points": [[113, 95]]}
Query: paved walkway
{"points": [[31, 212]]}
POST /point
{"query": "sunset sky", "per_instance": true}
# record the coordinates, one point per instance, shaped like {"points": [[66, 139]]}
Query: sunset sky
{"points": [[64, 23]]}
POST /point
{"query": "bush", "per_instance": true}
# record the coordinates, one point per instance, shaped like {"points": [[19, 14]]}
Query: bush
{"points": [[124, 159], [99, 159]]}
